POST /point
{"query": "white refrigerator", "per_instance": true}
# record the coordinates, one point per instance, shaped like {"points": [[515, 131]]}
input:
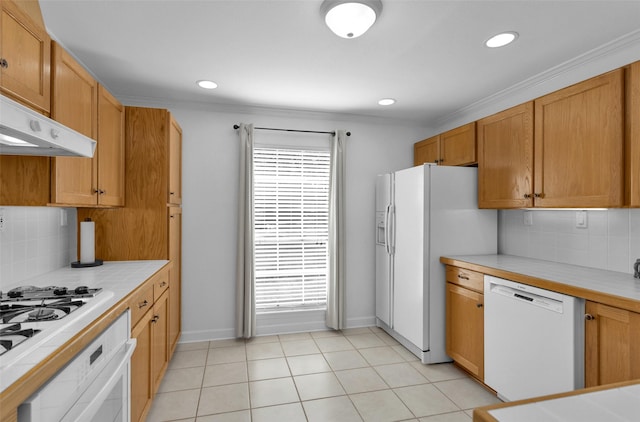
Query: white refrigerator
{"points": [[423, 213]]}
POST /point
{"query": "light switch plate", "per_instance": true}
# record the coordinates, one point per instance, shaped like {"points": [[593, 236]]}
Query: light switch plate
{"points": [[581, 219], [528, 218]]}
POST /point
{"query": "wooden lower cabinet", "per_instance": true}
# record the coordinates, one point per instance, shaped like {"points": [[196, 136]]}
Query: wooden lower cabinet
{"points": [[151, 330], [141, 391], [612, 344], [465, 320]]}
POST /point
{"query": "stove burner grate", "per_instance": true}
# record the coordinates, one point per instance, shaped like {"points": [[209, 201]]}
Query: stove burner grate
{"points": [[14, 334], [45, 311]]}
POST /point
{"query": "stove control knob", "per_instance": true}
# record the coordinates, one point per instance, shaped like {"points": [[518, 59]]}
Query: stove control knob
{"points": [[60, 291], [81, 290]]}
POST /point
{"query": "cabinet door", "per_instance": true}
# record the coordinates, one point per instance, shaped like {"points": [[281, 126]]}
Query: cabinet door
{"points": [[458, 146], [632, 146], [175, 278], [75, 104], [465, 328], [26, 47], [427, 151], [160, 338], [141, 391], [579, 140], [505, 158], [175, 162], [612, 345], [110, 149]]}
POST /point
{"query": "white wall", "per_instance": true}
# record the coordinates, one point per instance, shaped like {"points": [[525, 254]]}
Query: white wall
{"points": [[611, 240], [210, 201]]}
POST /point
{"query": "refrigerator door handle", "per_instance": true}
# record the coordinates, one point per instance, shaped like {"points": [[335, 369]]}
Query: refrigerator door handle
{"points": [[391, 229], [386, 231]]}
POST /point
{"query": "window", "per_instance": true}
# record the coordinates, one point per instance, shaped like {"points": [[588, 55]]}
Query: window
{"points": [[291, 228]]}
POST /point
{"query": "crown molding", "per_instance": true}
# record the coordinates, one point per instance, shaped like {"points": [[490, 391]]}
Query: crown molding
{"points": [[610, 56]]}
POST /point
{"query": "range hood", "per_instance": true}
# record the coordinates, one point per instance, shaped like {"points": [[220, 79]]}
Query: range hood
{"points": [[25, 132]]}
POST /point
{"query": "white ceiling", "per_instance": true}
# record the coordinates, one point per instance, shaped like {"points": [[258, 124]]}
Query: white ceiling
{"points": [[428, 55]]}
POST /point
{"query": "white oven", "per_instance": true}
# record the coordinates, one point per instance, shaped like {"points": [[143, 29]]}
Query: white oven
{"points": [[93, 386]]}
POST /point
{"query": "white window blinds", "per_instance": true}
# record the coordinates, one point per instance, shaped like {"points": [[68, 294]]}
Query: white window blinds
{"points": [[291, 201]]}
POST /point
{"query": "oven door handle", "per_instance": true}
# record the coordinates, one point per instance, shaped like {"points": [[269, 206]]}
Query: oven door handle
{"points": [[90, 402]]}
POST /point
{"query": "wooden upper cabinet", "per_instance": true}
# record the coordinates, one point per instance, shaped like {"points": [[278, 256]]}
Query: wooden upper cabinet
{"points": [[427, 151], [110, 150], [25, 51], [505, 158], [75, 105], [632, 135], [82, 104], [175, 162], [456, 147], [579, 144], [612, 345]]}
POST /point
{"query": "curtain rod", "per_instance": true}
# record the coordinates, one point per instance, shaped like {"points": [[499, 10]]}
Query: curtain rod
{"points": [[291, 130]]}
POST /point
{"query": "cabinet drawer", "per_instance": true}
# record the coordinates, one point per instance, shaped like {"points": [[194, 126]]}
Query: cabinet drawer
{"points": [[160, 284], [470, 279], [141, 302]]}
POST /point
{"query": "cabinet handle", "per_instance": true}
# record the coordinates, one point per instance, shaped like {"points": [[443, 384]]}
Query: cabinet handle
{"points": [[143, 304], [589, 317], [164, 283], [527, 195], [479, 305], [155, 318], [4, 63], [172, 193], [538, 195], [464, 277]]}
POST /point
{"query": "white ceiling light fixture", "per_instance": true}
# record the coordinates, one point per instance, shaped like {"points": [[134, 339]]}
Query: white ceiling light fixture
{"points": [[350, 19], [207, 84], [387, 101], [502, 39]]}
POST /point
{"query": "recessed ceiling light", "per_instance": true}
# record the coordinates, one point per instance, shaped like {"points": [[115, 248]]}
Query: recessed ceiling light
{"points": [[386, 101], [207, 84], [500, 40]]}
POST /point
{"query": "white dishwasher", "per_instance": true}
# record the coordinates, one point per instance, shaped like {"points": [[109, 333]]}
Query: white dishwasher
{"points": [[533, 340]]}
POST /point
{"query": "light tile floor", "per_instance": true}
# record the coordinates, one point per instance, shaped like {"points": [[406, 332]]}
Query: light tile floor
{"points": [[359, 374]]}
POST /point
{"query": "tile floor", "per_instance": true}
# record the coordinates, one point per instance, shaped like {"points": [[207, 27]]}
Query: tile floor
{"points": [[359, 374]]}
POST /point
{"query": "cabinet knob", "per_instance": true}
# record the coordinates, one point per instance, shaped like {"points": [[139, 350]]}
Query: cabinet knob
{"points": [[538, 195], [4, 63], [479, 305], [527, 195], [172, 193], [155, 318], [589, 317], [143, 304], [164, 283]]}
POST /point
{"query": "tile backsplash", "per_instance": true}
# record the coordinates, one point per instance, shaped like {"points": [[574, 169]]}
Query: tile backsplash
{"points": [[35, 240], [611, 240]]}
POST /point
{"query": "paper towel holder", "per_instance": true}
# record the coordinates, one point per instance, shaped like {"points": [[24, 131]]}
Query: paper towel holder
{"points": [[85, 264]]}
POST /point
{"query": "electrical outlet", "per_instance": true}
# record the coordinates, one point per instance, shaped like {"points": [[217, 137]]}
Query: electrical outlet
{"points": [[2, 221], [63, 218], [528, 218]]}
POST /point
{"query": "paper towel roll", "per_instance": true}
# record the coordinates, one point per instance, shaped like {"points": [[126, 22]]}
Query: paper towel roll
{"points": [[87, 242]]}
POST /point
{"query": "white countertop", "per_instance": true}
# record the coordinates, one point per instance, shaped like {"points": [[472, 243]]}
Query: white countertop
{"points": [[601, 281], [612, 405], [117, 279]]}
